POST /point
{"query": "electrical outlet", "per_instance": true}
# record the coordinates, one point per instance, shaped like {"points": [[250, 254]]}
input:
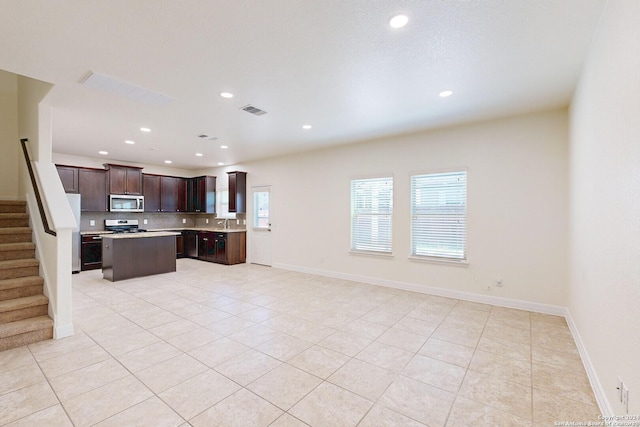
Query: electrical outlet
{"points": [[625, 398], [184, 220], [244, 222], [145, 222], [237, 222], [207, 220], [92, 223]]}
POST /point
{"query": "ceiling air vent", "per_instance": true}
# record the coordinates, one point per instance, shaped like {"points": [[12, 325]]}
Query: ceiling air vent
{"points": [[253, 110]]}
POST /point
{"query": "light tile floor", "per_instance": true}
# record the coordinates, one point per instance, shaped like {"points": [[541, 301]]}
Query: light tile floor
{"points": [[245, 345]]}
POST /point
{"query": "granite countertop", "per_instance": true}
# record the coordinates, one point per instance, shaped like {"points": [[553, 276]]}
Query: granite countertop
{"points": [[142, 235], [176, 229], [207, 229]]}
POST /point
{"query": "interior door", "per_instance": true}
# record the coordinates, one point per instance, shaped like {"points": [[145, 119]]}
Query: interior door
{"points": [[261, 225]]}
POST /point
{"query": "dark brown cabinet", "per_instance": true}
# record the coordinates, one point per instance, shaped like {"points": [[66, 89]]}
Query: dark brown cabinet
{"points": [[201, 194], [164, 193], [91, 252], [92, 186], [125, 180], [190, 239], [179, 246], [173, 194], [69, 178], [237, 192], [151, 192], [222, 248]]}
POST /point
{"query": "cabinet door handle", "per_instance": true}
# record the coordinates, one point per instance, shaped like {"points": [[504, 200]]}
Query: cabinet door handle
{"points": [[97, 238], [205, 239]]}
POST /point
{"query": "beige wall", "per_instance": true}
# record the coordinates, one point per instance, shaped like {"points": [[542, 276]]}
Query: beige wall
{"points": [[517, 207], [604, 285], [9, 140]]}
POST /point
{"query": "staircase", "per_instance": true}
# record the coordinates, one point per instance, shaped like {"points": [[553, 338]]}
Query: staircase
{"points": [[23, 307]]}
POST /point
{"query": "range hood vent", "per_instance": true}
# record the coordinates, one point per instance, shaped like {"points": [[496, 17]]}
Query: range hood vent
{"points": [[253, 110]]}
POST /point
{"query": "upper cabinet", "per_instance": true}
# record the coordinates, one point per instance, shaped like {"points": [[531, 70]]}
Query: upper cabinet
{"points": [[69, 178], [125, 180], [201, 194], [151, 192], [237, 192], [173, 194], [92, 186]]}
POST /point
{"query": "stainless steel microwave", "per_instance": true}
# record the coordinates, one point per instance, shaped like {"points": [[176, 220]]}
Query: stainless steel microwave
{"points": [[126, 203]]}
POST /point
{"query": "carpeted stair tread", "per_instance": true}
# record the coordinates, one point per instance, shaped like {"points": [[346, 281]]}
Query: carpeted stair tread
{"points": [[11, 215], [17, 246], [20, 282], [15, 230], [24, 302], [25, 325], [18, 263], [13, 206]]}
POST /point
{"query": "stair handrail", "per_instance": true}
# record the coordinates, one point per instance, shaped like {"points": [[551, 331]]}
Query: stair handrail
{"points": [[36, 190]]}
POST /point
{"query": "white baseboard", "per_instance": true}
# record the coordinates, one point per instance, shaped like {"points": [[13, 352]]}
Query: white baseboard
{"points": [[430, 290], [598, 391], [62, 331]]}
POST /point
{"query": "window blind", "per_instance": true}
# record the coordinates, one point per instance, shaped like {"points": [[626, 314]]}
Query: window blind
{"points": [[371, 214], [439, 215]]}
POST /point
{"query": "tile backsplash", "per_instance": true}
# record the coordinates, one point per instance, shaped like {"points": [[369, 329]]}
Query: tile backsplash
{"points": [[159, 220]]}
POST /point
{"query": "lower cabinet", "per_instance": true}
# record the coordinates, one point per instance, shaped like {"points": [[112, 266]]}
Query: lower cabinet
{"points": [[190, 239], [223, 248]]}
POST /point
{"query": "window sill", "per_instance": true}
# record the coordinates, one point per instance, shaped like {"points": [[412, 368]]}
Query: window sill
{"points": [[434, 260], [372, 254]]}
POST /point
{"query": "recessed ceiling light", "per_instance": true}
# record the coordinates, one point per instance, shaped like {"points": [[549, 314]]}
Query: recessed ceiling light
{"points": [[226, 95], [306, 127], [399, 21], [128, 141], [145, 129], [220, 164], [445, 93], [167, 161], [224, 147], [199, 154], [104, 153]]}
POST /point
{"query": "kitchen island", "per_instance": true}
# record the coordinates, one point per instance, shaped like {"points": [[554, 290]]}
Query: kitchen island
{"points": [[129, 255]]}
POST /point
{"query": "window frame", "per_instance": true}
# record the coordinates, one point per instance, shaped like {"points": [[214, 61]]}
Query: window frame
{"points": [[439, 258], [352, 213]]}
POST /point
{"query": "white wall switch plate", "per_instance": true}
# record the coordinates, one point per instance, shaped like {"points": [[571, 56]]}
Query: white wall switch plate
{"points": [[184, 220], [244, 222], [145, 222], [92, 222], [207, 220]]}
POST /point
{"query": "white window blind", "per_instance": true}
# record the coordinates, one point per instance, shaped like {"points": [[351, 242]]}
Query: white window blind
{"points": [[371, 214], [439, 215]]}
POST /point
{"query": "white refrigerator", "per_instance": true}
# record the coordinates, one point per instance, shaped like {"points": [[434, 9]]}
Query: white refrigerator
{"points": [[74, 202]]}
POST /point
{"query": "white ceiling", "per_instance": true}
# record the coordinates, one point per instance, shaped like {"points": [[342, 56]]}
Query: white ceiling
{"points": [[334, 64]]}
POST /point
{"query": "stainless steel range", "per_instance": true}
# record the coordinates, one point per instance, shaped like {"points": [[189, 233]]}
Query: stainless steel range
{"points": [[122, 225]]}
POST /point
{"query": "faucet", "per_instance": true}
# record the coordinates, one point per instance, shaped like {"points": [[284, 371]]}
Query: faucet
{"points": [[225, 222]]}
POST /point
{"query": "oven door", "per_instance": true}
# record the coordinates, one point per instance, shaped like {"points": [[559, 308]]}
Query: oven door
{"points": [[124, 203]]}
